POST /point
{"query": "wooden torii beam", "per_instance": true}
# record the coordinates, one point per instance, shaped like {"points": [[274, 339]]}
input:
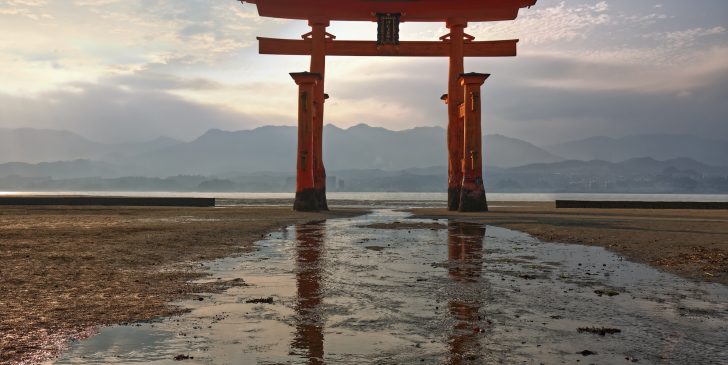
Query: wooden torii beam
{"points": [[303, 47]]}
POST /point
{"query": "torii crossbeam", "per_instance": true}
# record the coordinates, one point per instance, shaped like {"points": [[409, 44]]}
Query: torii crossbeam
{"points": [[465, 182]]}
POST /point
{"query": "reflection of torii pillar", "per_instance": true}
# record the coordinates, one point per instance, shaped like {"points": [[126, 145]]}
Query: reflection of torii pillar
{"points": [[309, 337], [465, 258], [472, 195]]}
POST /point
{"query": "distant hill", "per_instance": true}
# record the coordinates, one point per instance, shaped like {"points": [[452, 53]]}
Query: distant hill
{"points": [[43, 145], [657, 146], [46, 145], [360, 147], [639, 175], [631, 167], [272, 149], [502, 151], [643, 175], [60, 169]]}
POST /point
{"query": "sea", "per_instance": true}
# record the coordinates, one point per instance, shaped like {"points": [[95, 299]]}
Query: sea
{"points": [[383, 199]]}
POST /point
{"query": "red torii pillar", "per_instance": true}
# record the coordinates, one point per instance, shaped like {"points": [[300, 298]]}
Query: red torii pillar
{"points": [[454, 99], [307, 198], [318, 36], [472, 194]]}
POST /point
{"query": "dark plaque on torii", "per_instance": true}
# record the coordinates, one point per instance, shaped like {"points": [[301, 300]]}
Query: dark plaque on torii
{"points": [[388, 29]]}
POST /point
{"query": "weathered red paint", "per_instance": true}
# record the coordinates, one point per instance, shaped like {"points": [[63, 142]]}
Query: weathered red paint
{"points": [[306, 197], [318, 65], [455, 123], [302, 47], [472, 195], [412, 11]]}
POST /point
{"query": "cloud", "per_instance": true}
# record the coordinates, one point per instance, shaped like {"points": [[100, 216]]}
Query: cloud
{"points": [[147, 80], [131, 69], [548, 25], [687, 37], [112, 113], [546, 98], [24, 8], [91, 38], [620, 71]]}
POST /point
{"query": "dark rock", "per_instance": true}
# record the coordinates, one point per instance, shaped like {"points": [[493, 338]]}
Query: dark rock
{"points": [[268, 300], [601, 331]]}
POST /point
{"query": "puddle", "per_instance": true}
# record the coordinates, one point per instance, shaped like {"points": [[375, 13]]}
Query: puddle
{"points": [[345, 293]]}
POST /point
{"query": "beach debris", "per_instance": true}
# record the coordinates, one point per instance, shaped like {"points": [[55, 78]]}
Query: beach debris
{"points": [[601, 331], [183, 357], [607, 292], [586, 353], [268, 300]]}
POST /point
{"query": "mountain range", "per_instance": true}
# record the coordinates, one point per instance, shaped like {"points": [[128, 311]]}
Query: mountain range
{"points": [[360, 158], [271, 149], [46, 145], [659, 146]]}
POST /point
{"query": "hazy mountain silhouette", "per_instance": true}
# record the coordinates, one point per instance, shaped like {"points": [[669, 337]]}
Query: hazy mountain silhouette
{"points": [[359, 147], [634, 166], [643, 175], [638, 175], [47, 145], [657, 146], [60, 169], [42, 145], [273, 148]]}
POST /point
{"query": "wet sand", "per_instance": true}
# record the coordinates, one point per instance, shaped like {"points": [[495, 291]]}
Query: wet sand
{"points": [[690, 243], [363, 290], [64, 271]]}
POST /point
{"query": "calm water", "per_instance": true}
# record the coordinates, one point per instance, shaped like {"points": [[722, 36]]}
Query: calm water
{"points": [[346, 292], [384, 200]]}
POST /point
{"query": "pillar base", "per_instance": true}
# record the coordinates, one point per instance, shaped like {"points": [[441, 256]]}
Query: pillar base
{"points": [[453, 199], [321, 199], [306, 201], [473, 200]]}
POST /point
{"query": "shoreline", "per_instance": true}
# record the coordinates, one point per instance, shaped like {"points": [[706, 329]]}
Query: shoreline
{"points": [[690, 243], [69, 270]]}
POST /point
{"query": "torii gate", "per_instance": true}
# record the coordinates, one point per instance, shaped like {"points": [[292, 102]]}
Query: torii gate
{"points": [[465, 176]]}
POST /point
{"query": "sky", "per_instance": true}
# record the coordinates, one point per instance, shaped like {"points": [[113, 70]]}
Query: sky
{"points": [[131, 70]]}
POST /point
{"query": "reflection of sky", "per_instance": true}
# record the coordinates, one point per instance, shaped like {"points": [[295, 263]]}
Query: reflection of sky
{"points": [[591, 67], [351, 294]]}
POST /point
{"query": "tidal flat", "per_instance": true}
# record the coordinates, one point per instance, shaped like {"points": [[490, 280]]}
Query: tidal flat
{"points": [[65, 271], [356, 291], [690, 243], [266, 285]]}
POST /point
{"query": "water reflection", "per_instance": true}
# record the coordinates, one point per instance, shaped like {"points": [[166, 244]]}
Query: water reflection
{"points": [[465, 258], [421, 297], [308, 341]]}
